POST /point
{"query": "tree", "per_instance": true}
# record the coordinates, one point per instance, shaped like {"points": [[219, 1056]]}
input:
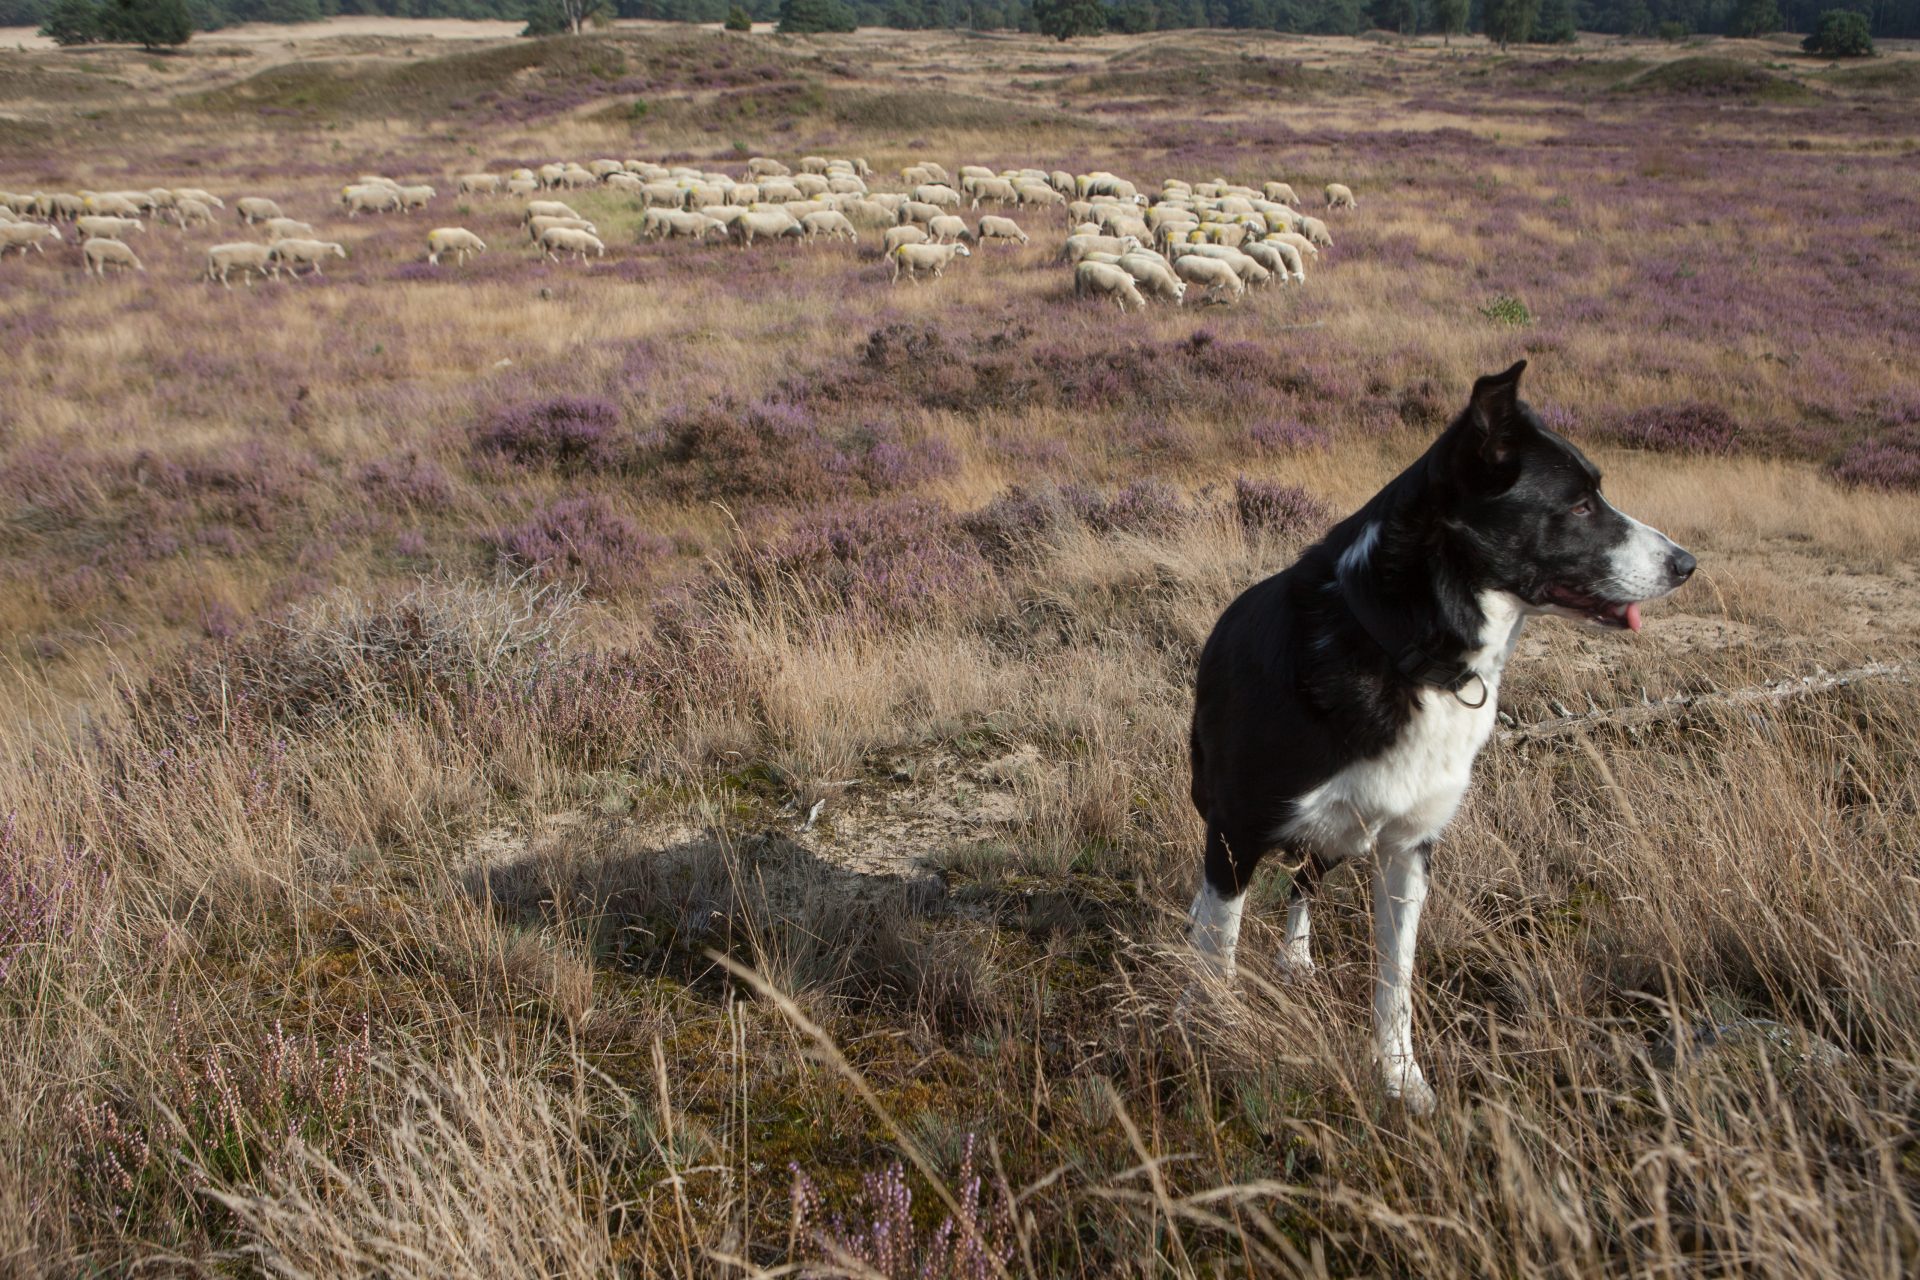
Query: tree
{"points": [[148, 23], [74, 22], [1636, 19], [1390, 15], [738, 19], [804, 17], [1451, 17], [1065, 19], [1840, 33], [1555, 24], [552, 17], [1754, 18], [1510, 21]]}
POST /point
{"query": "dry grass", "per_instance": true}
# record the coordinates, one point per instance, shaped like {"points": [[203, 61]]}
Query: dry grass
{"points": [[375, 902]]}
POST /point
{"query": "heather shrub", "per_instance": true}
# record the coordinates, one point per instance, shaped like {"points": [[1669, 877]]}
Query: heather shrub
{"points": [[891, 562], [1887, 461], [1287, 435], [1284, 510], [881, 1236], [567, 433], [407, 482], [583, 541], [776, 451], [1688, 427], [44, 897], [1021, 520], [1147, 507]]}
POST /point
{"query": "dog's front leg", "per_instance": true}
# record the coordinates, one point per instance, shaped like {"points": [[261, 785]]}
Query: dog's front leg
{"points": [[1399, 891]]}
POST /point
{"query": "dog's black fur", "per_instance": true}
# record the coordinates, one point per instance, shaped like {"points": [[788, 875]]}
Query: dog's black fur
{"points": [[1293, 686]]}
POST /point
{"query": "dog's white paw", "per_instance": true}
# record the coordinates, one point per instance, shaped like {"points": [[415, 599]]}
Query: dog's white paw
{"points": [[1406, 1085], [1295, 962]]}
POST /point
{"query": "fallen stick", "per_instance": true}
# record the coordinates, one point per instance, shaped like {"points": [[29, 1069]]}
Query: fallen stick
{"points": [[1668, 708]]}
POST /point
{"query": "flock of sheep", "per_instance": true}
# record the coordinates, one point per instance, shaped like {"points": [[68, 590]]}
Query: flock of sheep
{"points": [[1122, 244]]}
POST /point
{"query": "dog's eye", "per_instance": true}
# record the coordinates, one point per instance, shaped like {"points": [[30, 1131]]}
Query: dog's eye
{"points": [[1584, 507]]}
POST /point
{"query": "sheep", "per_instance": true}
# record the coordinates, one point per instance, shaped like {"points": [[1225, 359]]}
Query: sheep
{"points": [[484, 184], [918, 211], [724, 214], [1033, 193], [601, 168], [1102, 280], [574, 178], [288, 229], [1063, 182], [1280, 193], [555, 241], [1298, 241], [549, 174], [812, 165], [522, 186], [550, 209], [103, 251], [112, 204], [1283, 260], [938, 194], [912, 260], [948, 228], [847, 185], [537, 227], [1210, 274], [1340, 196], [704, 195], [252, 209], [768, 224], [912, 233], [625, 182], [455, 240], [993, 228], [27, 235], [195, 193], [368, 197], [1316, 233], [245, 256], [998, 190], [868, 213], [59, 204], [188, 211], [1153, 276], [412, 198], [95, 226], [669, 224], [296, 253], [811, 184], [936, 173], [830, 224], [762, 167], [1079, 246], [780, 192]]}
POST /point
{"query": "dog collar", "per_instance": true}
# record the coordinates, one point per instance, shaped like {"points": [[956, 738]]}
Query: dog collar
{"points": [[1409, 657]]}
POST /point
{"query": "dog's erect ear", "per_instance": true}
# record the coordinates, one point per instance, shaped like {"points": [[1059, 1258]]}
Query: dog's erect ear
{"points": [[1495, 411]]}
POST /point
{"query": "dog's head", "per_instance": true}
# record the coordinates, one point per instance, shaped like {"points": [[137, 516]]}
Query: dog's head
{"points": [[1528, 504]]}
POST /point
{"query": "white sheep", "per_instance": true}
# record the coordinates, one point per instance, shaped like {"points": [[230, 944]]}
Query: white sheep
{"points": [[244, 256], [1316, 232], [1280, 193], [948, 228], [780, 192], [522, 186], [1079, 246], [103, 251], [915, 260], [1306, 247], [1033, 193], [764, 224], [457, 241], [830, 224], [1210, 274], [1340, 196], [996, 228], [27, 235], [190, 212], [412, 198], [547, 209], [252, 209], [195, 193], [764, 167], [937, 194], [1283, 260], [1154, 277], [537, 227], [625, 183], [912, 233], [296, 253], [998, 190], [368, 197], [484, 184], [113, 204], [1104, 280], [288, 229], [555, 241], [99, 226], [811, 184], [669, 224], [918, 211]]}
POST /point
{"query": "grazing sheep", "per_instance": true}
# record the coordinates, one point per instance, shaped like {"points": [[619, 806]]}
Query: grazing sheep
{"points": [[1033, 193], [1280, 192], [811, 184], [1283, 260], [1316, 232], [457, 241], [998, 190], [912, 233], [918, 211], [938, 194], [412, 198], [368, 198], [574, 178], [103, 251], [1306, 247], [485, 184], [522, 186], [1210, 274], [296, 253], [288, 229], [542, 225], [994, 228], [244, 256], [1340, 196], [252, 209], [763, 167], [812, 165], [1153, 276], [914, 260], [95, 226], [830, 224], [915, 175], [555, 241], [195, 193], [26, 235], [602, 168], [625, 182], [112, 204], [670, 224], [61, 204], [780, 192], [948, 228], [868, 213], [1079, 246], [764, 224], [547, 209], [1103, 280]]}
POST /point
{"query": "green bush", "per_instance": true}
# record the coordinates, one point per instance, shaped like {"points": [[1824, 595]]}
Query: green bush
{"points": [[1672, 32], [1754, 18], [738, 19], [1840, 33], [804, 17], [1065, 19], [74, 22]]}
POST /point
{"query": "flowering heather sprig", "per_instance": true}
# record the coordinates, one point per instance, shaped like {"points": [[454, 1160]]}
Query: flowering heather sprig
{"points": [[44, 895], [582, 540], [1284, 509], [880, 1234], [1690, 427], [567, 433], [1887, 461]]}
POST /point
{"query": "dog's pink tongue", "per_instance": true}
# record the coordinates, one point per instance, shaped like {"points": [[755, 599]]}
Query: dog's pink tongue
{"points": [[1633, 617]]}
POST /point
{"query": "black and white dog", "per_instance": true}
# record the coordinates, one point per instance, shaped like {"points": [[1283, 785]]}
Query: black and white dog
{"points": [[1340, 704]]}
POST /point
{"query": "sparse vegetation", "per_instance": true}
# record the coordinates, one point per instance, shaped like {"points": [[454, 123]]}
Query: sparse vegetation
{"points": [[675, 766]]}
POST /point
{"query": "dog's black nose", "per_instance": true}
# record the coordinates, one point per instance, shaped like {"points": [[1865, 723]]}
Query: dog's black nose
{"points": [[1681, 565]]}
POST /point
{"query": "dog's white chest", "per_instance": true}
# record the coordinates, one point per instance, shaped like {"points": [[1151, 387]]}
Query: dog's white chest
{"points": [[1409, 792]]}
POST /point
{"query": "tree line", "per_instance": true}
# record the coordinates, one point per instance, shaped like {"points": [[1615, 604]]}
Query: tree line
{"points": [[1505, 21]]}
